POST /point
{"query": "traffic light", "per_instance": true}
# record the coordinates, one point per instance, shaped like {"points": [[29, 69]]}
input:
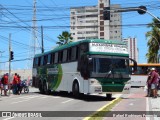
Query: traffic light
{"points": [[106, 13], [142, 10], [11, 55]]}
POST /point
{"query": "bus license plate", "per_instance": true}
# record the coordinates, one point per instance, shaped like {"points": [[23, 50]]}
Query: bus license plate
{"points": [[98, 89]]}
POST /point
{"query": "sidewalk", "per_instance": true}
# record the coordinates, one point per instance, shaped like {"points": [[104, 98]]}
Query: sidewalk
{"points": [[134, 107]]}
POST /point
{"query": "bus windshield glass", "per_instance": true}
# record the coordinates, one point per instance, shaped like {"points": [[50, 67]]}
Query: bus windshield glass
{"points": [[112, 65]]}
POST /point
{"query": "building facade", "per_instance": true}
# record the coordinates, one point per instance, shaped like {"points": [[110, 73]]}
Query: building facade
{"points": [[87, 22], [24, 73], [132, 48]]}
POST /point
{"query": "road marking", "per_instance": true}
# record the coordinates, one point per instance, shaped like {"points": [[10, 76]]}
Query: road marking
{"points": [[87, 118], [55, 97], [43, 97], [131, 104], [147, 107], [20, 101], [9, 118], [67, 101]]}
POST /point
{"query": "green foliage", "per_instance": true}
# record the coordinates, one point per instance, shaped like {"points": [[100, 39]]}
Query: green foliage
{"points": [[153, 37], [64, 38]]}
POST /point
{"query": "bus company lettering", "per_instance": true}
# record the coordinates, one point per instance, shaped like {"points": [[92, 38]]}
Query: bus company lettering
{"points": [[104, 47], [52, 70]]}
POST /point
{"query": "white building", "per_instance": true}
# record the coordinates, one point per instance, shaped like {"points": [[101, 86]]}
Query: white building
{"points": [[87, 22], [24, 73], [132, 48]]}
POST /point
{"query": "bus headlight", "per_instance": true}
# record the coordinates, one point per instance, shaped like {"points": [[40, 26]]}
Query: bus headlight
{"points": [[94, 81]]}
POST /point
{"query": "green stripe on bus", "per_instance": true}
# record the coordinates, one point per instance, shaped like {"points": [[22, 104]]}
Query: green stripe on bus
{"points": [[59, 77]]}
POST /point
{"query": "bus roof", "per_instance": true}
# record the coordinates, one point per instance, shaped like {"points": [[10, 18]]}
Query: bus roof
{"points": [[58, 48], [147, 64]]}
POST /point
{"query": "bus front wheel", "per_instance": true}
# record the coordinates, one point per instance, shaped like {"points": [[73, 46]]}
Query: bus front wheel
{"points": [[109, 96], [75, 90]]}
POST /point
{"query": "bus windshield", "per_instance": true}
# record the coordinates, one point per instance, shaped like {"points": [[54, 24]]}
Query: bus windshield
{"points": [[113, 65]]}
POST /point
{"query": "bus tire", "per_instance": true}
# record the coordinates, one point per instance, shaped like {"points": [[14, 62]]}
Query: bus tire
{"points": [[40, 87], [75, 89], [26, 89], [46, 91], [109, 96]]}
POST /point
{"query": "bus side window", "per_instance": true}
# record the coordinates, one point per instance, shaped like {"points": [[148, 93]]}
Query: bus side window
{"points": [[56, 57], [83, 49], [60, 56], [49, 59], [69, 54], [45, 60], [35, 63], [42, 61], [52, 58], [73, 53], [39, 61], [64, 56]]}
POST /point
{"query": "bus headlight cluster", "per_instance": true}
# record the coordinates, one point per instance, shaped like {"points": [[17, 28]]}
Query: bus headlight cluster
{"points": [[94, 81]]}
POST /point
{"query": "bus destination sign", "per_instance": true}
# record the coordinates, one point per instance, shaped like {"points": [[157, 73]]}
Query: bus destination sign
{"points": [[110, 48]]}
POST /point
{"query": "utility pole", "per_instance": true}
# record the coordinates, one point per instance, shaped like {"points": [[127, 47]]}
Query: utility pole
{"points": [[42, 39], [9, 62]]}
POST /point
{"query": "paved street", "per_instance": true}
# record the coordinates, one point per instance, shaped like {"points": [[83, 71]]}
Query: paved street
{"points": [[56, 102], [61, 103]]}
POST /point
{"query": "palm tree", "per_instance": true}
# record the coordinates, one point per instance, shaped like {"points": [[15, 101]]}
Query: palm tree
{"points": [[64, 38], [153, 41]]}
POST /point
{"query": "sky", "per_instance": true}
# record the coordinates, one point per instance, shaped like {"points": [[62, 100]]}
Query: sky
{"points": [[54, 15]]}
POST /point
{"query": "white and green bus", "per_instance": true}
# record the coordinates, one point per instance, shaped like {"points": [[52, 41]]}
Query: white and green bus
{"points": [[89, 67]]}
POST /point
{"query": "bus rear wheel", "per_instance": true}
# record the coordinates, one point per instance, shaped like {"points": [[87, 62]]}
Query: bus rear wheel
{"points": [[75, 90], [46, 91], [40, 87]]}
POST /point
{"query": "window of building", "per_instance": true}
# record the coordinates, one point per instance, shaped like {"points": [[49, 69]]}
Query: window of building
{"points": [[101, 22], [101, 33], [101, 11], [101, 28], [101, 5], [101, 17]]}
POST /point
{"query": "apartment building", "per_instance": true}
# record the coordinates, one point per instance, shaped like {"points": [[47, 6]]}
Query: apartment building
{"points": [[132, 48], [87, 22]]}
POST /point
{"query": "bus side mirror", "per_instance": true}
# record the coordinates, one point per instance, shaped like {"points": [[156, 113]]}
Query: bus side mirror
{"points": [[90, 64], [134, 65]]}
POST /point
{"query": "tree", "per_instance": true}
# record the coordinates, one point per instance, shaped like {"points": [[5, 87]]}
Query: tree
{"points": [[153, 43], [64, 38]]}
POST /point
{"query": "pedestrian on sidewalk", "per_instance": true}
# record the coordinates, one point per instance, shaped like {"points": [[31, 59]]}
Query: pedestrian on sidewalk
{"points": [[19, 84], [148, 83], [2, 82], [15, 82], [5, 84], [154, 82]]}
